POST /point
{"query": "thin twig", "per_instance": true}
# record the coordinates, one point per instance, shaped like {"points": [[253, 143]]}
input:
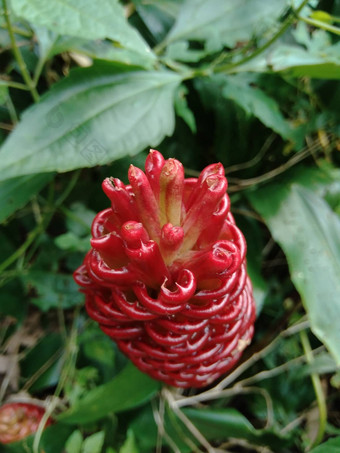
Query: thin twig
{"points": [[19, 58], [216, 391], [320, 396]]}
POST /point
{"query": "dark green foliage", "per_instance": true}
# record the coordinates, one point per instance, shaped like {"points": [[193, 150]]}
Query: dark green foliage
{"points": [[86, 89]]}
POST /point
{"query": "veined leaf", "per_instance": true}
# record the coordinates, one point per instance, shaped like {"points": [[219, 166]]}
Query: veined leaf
{"points": [[130, 389], [91, 118], [84, 19], [16, 192], [254, 102], [308, 232], [297, 62], [224, 22]]}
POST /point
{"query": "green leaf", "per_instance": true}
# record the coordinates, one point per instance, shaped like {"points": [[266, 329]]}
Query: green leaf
{"points": [[224, 22], [74, 442], [51, 43], [44, 361], [84, 19], [69, 241], [255, 102], [128, 390], [94, 443], [308, 232], [16, 192], [222, 423], [3, 93], [53, 289], [295, 61], [183, 110], [215, 424], [129, 445], [91, 118], [331, 446]]}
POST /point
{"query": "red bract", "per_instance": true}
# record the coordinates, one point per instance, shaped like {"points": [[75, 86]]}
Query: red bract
{"points": [[19, 420], [166, 276]]}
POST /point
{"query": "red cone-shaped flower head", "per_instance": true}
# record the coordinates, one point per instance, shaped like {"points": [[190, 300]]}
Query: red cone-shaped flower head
{"points": [[19, 420], [166, 276]]}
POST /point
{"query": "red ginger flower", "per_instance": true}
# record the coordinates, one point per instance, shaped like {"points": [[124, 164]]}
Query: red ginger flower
{"points": [[166, 276], [19, 420]]}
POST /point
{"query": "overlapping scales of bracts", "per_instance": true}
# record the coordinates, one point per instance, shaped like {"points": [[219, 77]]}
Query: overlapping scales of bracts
{"points": [[166, 276]]}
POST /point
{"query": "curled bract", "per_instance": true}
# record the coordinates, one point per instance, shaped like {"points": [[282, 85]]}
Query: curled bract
{"points": [[166, 275]]}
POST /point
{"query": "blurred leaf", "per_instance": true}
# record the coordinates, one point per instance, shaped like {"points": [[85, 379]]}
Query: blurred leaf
{"points": [[16, 192], [323, 363], [183, 110], [94, 443], [3, 92], [157, 16], [54, 438], [331, 446], [47, 352], [215, 424], [51, 43], [308, 232], [109, 51], [260, 287], [74, 442], [84, 19], [69, 241], [295, 61], [129, 445], [13, 301], [224, 22], [255, 102], [128, 390], [92, 117], [53, 289], [80, 219]]}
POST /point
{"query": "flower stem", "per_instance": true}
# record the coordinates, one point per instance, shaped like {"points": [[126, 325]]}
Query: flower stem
{"points": [[22, 65], [320, 396]]}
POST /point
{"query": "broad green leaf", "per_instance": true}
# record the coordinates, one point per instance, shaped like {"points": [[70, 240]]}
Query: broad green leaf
{"points": [[53, 290], [16, 192], [130, 389], [84, 19], [91, 118], [331, 446], [224, 22], [295, 61], [254, 101], [308, 232]]}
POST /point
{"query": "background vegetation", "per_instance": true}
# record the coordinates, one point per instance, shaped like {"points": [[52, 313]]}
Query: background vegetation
{"points": [[86, 88]]}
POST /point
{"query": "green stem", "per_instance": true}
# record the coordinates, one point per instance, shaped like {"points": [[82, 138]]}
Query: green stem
{"points": [[22, 65], [320, 396], [32, 235], [11, 84], [18, 31], [286, 24], [320, 24]]}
